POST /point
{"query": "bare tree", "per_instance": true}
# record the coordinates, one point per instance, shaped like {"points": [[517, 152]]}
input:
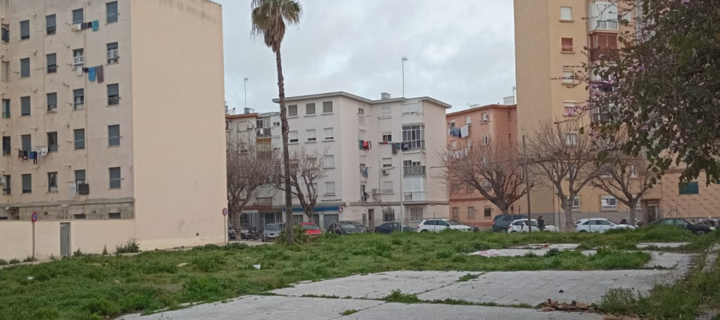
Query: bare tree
{"points": [[307, 168], [564, 155], [493, 168], [247, 171]]}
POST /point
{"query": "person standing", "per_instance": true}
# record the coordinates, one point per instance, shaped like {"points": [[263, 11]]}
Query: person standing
{"points": [[541, 223]]}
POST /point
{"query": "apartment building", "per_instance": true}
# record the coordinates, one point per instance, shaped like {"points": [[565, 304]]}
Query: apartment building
{"points": [[105, 134], [382, 157], [479, 126], [550, 41]]}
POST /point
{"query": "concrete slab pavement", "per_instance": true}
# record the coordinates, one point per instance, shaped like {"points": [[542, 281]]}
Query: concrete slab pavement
{"points": [[454, 312]]}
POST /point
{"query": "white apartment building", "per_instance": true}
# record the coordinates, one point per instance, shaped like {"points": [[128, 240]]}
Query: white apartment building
{"points": [[380, 154]]}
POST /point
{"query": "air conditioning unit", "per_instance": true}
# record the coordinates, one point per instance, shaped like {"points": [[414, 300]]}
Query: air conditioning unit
{"points": [[386, 172], [374, 191]]}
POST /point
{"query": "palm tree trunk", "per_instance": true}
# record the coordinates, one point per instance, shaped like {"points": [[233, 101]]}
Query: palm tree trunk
{"points": [[286, 152]]}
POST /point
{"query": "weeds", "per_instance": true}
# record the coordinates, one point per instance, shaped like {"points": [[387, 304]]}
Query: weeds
{"points": [[14, 261], [349, 312], [129, 247], [468, 277], [398, 297], [78, 253], [298, 233], [104, 252], [29, 259], [3, 262]]}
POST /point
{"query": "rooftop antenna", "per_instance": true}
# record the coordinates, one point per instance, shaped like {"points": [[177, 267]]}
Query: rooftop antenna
{"points": [[404, 58], [245, 81]]}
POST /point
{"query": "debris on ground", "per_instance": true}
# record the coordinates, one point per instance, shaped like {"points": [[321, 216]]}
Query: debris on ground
{"points": [[182, 264], [487, 254], [551, 305]]}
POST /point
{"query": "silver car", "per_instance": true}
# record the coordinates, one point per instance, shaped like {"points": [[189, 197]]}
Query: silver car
{"points": [[272, 231]]}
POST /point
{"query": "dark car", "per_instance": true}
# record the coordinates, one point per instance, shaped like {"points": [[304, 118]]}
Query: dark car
{"points": [[696, 228], [390, 227], [501, 222], [358, 225], [343, 227]]}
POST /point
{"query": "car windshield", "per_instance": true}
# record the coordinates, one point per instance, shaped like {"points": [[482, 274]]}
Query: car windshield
{"points": [[347, 225], [454, 223], [310, 227], [273, 227]]}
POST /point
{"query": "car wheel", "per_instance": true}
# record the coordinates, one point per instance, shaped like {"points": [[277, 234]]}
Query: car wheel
{"points": [[503, 229], [424, 231], [700, 232], [583, 230], [242, 236]]}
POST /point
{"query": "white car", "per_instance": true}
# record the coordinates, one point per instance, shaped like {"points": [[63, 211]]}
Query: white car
{"points": [[438, 225], [599, 225], [520, 225]]}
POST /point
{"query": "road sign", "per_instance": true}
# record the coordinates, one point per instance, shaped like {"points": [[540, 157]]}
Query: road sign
{"points": [[225, 211], [34, 217]]}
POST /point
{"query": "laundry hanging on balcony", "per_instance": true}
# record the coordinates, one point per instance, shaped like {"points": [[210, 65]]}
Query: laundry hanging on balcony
{"points": [[454, 132], [92, 74], [464, 132], [364, 145], [364, 171]]}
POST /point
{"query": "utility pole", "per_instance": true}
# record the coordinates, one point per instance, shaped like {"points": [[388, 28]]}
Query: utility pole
{"points": [[402, 192], [527, 184], [245, 81], [403, 75]]}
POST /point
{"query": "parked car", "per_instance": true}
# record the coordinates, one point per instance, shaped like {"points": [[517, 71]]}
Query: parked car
{"points": [[437, 225], [244, 231], [392, 226], [231, 232], [521, 225], [272, 231], [361, 227], [696, 228], [599, 225], [343, 228], [311, 229], [501, 222]]}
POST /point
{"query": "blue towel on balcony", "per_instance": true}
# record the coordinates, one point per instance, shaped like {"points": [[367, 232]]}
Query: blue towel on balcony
{"points": [[95, 25], [92, 74]]}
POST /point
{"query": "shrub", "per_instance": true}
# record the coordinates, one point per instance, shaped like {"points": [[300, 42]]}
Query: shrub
{"points": [[104, 252], [14, 261], [78, 253], [3, 262], [298, 233], [129, 247], [29, 259], [101, 306], [553, 252]]}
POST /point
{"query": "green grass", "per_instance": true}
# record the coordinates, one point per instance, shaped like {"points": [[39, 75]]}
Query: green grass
{"points": [[349, 312], [87, 286]]}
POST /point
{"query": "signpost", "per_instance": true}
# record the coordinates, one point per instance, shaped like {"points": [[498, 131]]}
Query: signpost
{"points": [[225, 213], [34, 219]]}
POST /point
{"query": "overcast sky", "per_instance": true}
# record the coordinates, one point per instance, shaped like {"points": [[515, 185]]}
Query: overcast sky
{"points": [[460, 51]]}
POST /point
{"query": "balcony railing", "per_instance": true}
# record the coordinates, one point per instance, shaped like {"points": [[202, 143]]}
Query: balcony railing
{"points": [[604, 54], [414, 196], [414, 171], [264, 132]]}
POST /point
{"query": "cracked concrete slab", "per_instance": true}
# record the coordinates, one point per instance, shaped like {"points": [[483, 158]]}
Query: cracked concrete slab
{"points": [[376, 286], [264, 308], [534, 287], [455, 312]]}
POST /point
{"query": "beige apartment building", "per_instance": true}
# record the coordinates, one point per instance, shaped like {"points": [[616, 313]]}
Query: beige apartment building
{"points": [[550, 41], [474, 127], [111, 125]]}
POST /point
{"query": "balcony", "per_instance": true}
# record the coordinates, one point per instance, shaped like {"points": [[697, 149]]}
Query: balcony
{"points": [[414, 171], [414, 196], [264, 132], [604, 54]]}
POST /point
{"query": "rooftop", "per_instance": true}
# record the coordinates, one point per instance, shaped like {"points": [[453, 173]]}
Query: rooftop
{"points": [[485, 107], [361, 99]]}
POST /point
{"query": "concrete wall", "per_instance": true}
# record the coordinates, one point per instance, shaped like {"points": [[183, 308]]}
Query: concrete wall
{"points": [[86, 236], [178, 115]]}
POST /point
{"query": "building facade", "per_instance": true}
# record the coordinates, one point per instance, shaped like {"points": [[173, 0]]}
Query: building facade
{"points": [[475, 127], [95, 110]]}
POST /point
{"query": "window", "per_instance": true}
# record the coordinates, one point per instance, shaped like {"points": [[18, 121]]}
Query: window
{"points": [[6, 108], [78, 98], [26, 183], [6, 185], [24, 68], [387, 187], [569, 108], [52, 182], [52, 102], [78, 58], [689, 188], [80, 177], [576, 203], [468, 120], [113, 135], [113, 53], [80, 216], [330, 188], [51, 60], [26, 142], [387, 162], [566, 13], [327, 107], [52, 141], [6, 145], [485, 117], [456, 213], [571, 138], [385, 112], [114, 215], [311, 135], [633, 171], [115, 178], [485, 140], [25, 106], [329, 161], [79, 135], [78, 16], [453, 145], [389, 215], [292, 110], [568, 76], [413, 137], [416, 214], [414, 188], [5, 33], [608, 202], [452, 123], [329, 134], [113, 91], [112, 11], [50, 24], [471, 213], [567, 44], [487, 212], [387, 137], [309, 109], [293, 137], [5, 71], [24, 29]]}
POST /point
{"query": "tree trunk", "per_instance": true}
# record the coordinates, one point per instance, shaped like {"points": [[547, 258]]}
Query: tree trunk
{"points": [[632, 220], [286, 152], [569, 223]]}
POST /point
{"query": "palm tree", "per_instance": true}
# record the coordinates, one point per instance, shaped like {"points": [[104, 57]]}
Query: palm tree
{"points": [[269, 19]]}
